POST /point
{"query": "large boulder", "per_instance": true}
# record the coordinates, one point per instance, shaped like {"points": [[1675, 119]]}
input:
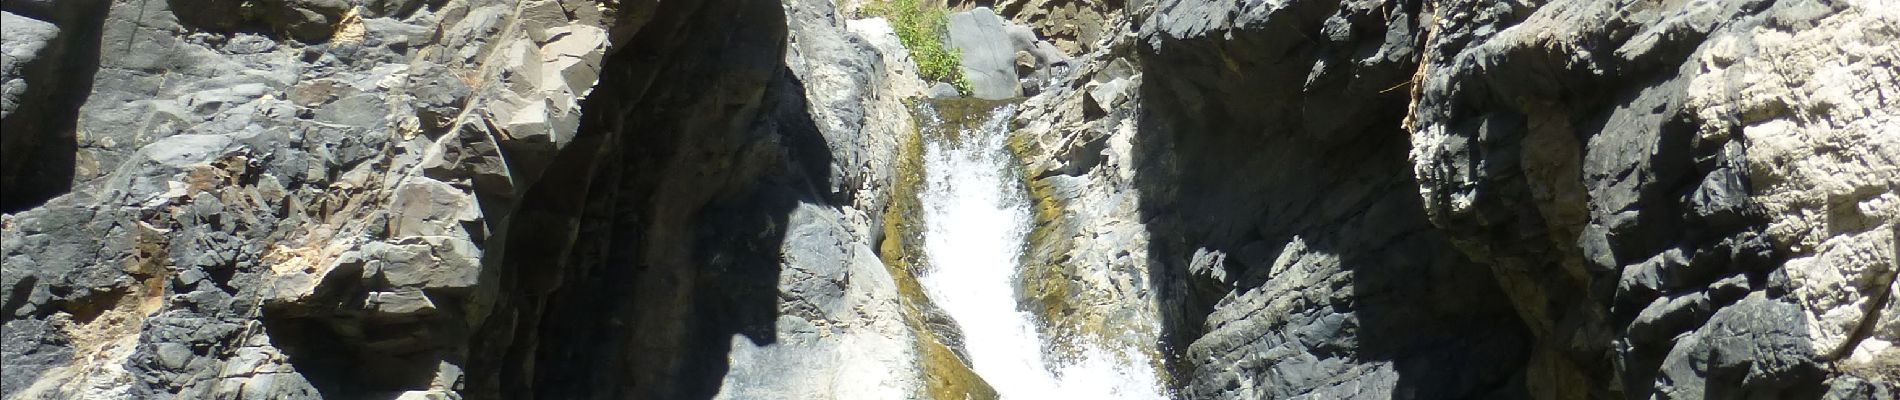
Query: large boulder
{"points": [[989, 54], [24, 40]]}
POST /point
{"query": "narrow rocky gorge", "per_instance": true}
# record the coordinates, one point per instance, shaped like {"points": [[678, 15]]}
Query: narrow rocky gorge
{"points": [[764, 199]]}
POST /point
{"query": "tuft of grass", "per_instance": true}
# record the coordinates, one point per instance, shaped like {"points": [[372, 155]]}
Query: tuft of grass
{"points": [[921, 28]]}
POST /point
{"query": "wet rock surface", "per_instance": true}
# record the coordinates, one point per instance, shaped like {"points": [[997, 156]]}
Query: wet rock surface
{"points": [[640, 199]]}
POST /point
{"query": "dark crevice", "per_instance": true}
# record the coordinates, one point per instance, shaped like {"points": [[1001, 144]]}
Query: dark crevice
{"points": [[86, 308], [1255, 165], [652, 241], [346, 350], [17, 297]]}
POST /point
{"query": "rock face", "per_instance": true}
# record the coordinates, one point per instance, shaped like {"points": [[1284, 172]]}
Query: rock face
{"points": [[482, 199], [1318, 275], [51, 52], [303, 199], [1629, 186], [988, 53], [26, 40], [1632, 209], [1001, 60], [1073, 26]]}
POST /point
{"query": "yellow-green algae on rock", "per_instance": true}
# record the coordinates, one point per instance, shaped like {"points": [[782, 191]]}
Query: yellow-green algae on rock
{"points": [[1048, 280], [946, 375]]}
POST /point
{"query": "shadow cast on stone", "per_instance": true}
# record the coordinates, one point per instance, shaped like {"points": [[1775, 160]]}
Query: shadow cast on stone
{"points": [[346, 351], [655, 237], [1409, 299], [1288, 243], [41, 141], [1680, 292]]}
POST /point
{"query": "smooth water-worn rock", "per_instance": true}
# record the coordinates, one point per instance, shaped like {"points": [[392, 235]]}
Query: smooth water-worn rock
{"points": [[1000, 59], [942, 90], [25, 40], [987, 52]]}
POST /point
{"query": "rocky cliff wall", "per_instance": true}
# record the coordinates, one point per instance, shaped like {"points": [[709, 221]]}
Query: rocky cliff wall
{"points": [[644, 199], [1269, 207], [558, 199], [1484, 199], [1653, 232]]}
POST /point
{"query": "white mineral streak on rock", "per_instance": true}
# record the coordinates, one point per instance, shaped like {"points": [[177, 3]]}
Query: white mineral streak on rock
{"points": [[1820, 111]]}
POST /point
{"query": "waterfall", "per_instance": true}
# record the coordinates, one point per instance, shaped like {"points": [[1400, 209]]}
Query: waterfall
{"points": [[976, 216]]}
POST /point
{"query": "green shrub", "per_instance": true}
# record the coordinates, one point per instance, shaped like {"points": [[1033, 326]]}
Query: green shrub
{"points": [[921, 28]]}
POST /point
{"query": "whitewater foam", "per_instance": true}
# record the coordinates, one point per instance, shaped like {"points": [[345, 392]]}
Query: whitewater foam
{"points": [[976, 216]]}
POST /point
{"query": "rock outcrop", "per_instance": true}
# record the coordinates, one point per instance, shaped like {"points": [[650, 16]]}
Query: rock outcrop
{"points": [[1559, 199], [1073, 26], [1628, 183], [51, 54], [1000, 60], [557, 199], [1632, 209], [1319, 274], [989, 60]]}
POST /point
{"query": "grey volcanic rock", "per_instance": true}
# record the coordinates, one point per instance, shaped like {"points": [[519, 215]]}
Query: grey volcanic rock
{"points": [[1753, 348], [942, 91], [307, 20], [1073, 26], [51, 52], [1571, 156], [1315, 275], [999, 57], [1086, 272], [25, 39], [988, 53], [303, 199], [422, 199], [834, 341], [1587, 200]]}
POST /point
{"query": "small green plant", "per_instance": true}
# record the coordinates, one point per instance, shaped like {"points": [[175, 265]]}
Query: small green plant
{"points": [[921, 28]]}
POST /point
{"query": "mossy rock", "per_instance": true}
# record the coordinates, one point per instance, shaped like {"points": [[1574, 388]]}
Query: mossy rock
{"points": [[947, 373]]}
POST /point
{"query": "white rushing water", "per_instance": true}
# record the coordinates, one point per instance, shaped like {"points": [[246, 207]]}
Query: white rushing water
{"points": [[976, 216]]}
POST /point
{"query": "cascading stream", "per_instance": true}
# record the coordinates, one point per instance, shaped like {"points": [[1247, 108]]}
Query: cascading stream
{"points": [[976, 215]]}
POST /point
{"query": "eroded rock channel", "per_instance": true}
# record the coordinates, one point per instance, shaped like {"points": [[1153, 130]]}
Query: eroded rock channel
{"points": [[977, 216], [1022, 199]]}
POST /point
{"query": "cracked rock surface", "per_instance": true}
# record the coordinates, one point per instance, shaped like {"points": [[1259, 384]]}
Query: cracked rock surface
{"points": [[1311, 199]]}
